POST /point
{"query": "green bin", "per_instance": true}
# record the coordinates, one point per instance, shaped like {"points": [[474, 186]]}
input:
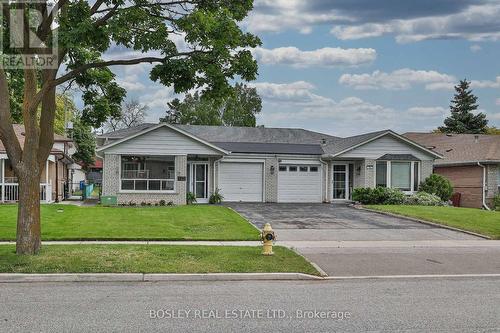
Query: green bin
{"points": [[109, 201]]}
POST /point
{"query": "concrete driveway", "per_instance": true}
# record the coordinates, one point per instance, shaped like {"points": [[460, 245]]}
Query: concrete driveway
{"points": [[339, 222]]}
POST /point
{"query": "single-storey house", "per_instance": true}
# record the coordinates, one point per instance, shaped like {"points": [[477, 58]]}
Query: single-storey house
{"points": [[470, 161], [55, 175], [154, 162]]}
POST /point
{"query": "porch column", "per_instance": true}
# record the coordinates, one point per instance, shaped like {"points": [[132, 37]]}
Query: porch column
{"points": [[2, 179], [47, 189]]}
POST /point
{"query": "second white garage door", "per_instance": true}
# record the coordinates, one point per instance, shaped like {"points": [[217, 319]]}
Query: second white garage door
{"points": [[299, 183], [241, 181]]}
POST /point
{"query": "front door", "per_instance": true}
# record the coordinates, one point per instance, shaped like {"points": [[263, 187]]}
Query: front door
{"points": [[198, 181], [340, 181]]}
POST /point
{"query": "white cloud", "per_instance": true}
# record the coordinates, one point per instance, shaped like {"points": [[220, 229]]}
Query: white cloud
{"points": [[433, 111], [475, 48], [398, 80], [324, 57], [475, 23], [158, 97], [486, 83]]}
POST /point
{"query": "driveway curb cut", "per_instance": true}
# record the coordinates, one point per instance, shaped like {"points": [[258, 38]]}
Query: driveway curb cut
{"points": [[421, 221], [139, 277]]}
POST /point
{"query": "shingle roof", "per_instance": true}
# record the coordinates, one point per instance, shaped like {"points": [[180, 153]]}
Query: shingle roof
{"points": [[277, 140], [19, 130], [270, 148], [398, 157], [460, 148]]}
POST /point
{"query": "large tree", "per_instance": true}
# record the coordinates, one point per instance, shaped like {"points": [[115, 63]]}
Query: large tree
{"points": [[214, 52], [237, 108], [132, 114], [462, 118]]}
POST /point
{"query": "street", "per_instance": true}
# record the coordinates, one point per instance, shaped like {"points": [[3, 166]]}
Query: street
{"points": [[409, 304]]}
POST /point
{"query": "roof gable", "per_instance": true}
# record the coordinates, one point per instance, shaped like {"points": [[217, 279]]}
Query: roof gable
{"points": [[162, 139]]}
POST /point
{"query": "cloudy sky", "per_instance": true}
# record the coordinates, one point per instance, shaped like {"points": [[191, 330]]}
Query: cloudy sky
{"points": [[345, 67]]}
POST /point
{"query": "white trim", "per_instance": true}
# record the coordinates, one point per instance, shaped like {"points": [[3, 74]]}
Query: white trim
{"points": [[347, 194], [120, 190], [192, 166], [160, 126], [242, 160], [301, 162], [389, 175], [389, 132], [2, 178]]}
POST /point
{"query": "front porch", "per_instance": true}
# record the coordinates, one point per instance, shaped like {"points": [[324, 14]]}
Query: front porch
{"points": [[9, 184]]}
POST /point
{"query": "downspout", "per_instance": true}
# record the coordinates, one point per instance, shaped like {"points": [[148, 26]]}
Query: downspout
{"points": [[484, 186], [325, 164]]}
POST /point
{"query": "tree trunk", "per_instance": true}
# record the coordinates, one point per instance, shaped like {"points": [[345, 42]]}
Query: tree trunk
{"points": [[28, 218]]}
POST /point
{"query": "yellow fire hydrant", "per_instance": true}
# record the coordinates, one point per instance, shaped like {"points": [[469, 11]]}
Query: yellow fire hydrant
{"points": [[267, 237]]}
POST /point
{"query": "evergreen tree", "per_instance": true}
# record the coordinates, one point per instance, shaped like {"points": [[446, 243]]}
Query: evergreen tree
{"points": [[462, 119]]}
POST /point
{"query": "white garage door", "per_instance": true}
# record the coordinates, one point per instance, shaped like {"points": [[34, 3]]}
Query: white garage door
{"points": [[299, 183], [241, 181]]}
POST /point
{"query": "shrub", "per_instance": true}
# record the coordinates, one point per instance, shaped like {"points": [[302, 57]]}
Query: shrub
{"points": [[163, 202], [170, 203], [216, 197], [424, 199], [190, 198], [438, 185], [378, 196], [143, 204], [131, 203], [496, 202]]}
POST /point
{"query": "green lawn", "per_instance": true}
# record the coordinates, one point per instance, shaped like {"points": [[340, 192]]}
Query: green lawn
{"points": [[195, 222], [152, 259], [475, 220]]}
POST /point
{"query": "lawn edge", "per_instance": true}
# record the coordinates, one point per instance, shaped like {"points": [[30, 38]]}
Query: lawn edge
{"points": [[414, 219], [141, 277]]}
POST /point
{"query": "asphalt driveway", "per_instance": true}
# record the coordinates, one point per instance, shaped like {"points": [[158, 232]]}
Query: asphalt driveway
{"points": [[345, 241], [339, 222]]}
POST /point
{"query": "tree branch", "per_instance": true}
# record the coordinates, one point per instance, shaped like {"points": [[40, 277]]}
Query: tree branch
{"points": [[7, 133], [86, 67]]}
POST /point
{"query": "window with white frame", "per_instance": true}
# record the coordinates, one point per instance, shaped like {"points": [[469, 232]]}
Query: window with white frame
{"points": [[147, 173], [402, 175]]}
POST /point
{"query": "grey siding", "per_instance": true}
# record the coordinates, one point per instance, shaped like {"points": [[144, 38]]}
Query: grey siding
{"points": [[385, 145], [162, 141]]}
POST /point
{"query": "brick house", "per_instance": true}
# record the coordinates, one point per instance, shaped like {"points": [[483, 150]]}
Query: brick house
{"points": [[471, 162]]}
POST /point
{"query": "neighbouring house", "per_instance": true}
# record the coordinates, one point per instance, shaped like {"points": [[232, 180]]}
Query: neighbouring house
{"points": [[54, 178], [94, 171], [154, 162], [470, 161]]}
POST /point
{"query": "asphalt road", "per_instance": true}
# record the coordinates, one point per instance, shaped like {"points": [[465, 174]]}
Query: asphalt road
{"points": [[416, 305]]}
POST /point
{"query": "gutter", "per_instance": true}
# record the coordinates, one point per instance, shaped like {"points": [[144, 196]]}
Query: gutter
{"points": [[484, 186], [327, 180]]}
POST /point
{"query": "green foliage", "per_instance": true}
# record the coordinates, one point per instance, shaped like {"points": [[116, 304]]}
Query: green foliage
{"points": [[84, 140], [238, 108], [424, 199], [462, 119], [190, 198], [496, 202], [163, 203], [216, 197], [438, 185], [378, 196], [492, 130]]}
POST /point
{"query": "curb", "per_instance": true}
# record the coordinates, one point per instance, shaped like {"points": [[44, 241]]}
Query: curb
{"points": [[421, 221], [140, 277]]}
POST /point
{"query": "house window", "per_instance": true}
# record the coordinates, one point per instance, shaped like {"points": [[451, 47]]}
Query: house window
{"points": [[401, 175], [148, 173], [292, 168], [303, 169], [313, 169], [381, 180], [282, 168]]}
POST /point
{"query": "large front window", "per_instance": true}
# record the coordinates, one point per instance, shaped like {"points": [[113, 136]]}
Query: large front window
{"points": [[402, 175], [148, 173]]}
